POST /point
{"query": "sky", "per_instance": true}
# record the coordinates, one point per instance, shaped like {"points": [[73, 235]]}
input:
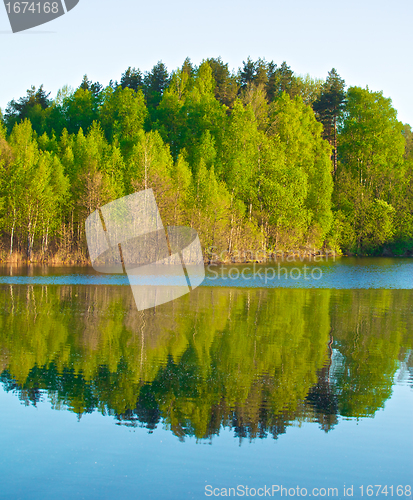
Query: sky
{"points": [[368, 42]]}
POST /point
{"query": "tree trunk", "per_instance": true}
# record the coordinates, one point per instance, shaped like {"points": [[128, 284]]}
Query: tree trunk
{"points": [[11, 240], [29, 249], [12, 232]]}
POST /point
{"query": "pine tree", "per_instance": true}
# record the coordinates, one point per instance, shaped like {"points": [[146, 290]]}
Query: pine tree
{"points": [[17, 111], [227, 86], [154, 84], [329, 107], [280, 79], [132, 79], [247, 73]]}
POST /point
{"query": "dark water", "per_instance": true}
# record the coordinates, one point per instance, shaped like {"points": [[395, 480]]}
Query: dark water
{"points": [[234, 386]]}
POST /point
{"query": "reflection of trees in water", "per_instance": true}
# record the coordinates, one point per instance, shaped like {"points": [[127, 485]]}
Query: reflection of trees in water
{"points": [[406, 370], [375, 331], [322, 396], [255, 361]]}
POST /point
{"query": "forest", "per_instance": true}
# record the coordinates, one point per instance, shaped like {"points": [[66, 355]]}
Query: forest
{"points": [[258, 159]]}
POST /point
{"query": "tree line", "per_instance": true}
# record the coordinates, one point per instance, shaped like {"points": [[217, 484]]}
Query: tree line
{"points": [[258, 159]]}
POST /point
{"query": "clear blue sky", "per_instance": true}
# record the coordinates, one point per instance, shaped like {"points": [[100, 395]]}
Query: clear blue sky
{"points": [[368, 42]]}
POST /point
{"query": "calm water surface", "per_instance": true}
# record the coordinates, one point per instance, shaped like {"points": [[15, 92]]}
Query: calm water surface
{"points": [[339, 273], [245, 382]]}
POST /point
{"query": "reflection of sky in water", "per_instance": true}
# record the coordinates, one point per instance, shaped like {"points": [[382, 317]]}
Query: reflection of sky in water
{"points": [[342, 274]]}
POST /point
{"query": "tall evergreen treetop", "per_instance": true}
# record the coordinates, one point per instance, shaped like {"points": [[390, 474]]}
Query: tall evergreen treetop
{"points": [[280, 79], [253, 72], [132, 79], [17, 111], [188, 67], [226, 88], [285, 77], [96, 87], [247, 73], [329, 108]]}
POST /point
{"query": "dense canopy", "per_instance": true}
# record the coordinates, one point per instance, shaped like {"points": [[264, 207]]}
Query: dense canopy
{"points": [[260, 159]]}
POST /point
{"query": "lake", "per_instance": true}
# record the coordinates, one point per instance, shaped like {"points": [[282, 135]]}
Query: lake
{"points": [[284, 379]]}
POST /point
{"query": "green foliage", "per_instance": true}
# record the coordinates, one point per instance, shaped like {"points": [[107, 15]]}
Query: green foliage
{"points": [[34, 190], [262, 359], [29, 107], [243, 158], [305, 202], [226, 83], [132, 79], [154, 84], [372, 173], [408, 136], [371, 142], [122, 116], [80, 110], [329, 105]]}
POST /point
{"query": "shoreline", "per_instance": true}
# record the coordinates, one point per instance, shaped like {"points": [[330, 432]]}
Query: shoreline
{"points": [[286, 259]]}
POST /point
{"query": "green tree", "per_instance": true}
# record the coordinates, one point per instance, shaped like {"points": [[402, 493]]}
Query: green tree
{"points": [[132, 79], [247, 73], [408, 135], [122, 116], [95, 88], [154, 84], [280, 79], [329, 108], [255, 96], [371, 148], [226, 83], [80, 110], [189, 108], [308, 167], [309, 88], [33, 103], [169, 118], [37, 190]]}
